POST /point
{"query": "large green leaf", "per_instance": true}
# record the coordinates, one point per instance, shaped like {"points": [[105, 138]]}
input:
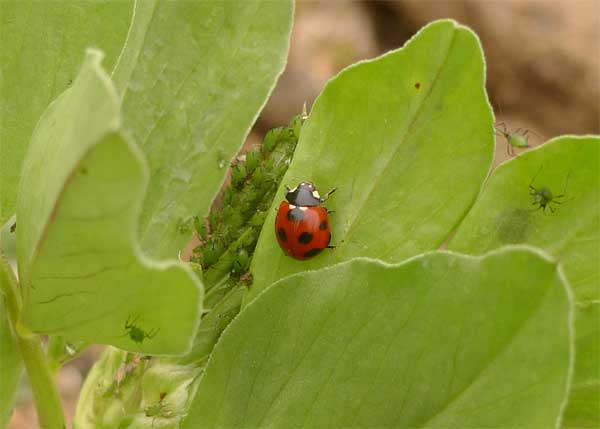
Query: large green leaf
{"points": [[42, 45], [583, 410], [505, 212], [440, 341], [80, 267], [406, 138], [193, 77]]}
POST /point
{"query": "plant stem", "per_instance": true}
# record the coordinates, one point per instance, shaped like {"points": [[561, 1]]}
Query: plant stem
{"points": [[10, 289], [45, 393]]}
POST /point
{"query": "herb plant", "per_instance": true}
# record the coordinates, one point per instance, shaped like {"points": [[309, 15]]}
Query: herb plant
{"points": [[119, 123]]}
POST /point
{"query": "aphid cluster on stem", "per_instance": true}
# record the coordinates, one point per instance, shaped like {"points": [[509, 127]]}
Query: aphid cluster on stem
{"points": [[229, 233]]}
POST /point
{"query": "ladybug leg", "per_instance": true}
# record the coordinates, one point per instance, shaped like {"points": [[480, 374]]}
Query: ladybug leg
{"points": [[328, 195], [330, 211], [287, 187], [330, 247]]}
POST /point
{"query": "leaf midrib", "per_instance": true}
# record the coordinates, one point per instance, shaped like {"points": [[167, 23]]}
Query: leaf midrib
{"points": [[377, 179]]}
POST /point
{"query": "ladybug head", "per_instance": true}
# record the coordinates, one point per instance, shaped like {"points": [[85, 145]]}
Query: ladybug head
{"points": [[304, 195]]}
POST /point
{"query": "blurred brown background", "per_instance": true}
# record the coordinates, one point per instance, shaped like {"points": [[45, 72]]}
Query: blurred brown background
{"points": [[543, 74]]}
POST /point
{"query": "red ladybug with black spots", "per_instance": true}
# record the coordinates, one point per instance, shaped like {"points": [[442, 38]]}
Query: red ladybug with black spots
{"points": [[302, 224]]}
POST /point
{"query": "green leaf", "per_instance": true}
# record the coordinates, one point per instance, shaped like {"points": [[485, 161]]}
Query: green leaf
{"points": [[11, 365], [193, 77], [406, 138], [505, 214], [80, 266], [583, 410], [440, 341], [42, 45]]}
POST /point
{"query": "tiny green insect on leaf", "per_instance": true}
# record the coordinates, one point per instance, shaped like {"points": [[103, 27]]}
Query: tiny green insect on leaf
{"points": [[518, 140]]}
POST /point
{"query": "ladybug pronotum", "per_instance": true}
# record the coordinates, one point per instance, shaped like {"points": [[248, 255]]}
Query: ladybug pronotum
{"points": [[302, 224]]}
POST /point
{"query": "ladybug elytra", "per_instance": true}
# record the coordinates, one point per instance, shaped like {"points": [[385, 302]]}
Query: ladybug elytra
{"points": [[302, 224]]}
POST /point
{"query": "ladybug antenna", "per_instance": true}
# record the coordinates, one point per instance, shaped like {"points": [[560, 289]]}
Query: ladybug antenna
{"points": [[328, 195]]}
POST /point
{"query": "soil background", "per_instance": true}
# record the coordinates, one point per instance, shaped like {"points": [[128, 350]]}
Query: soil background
{"points": [[543, 74]]}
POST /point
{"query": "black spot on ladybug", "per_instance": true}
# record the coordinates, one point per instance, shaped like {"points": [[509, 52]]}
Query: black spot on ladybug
{"points": [[312, 252], [323, 225], [295, 215], [282, 234], [305, 238]]}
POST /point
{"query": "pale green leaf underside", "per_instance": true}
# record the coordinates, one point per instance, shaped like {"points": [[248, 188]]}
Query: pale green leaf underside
{"points": [[193, 77], [80, 267], [583, 410], [505, 214], [406, 138], [440, 341], [42, 45]]}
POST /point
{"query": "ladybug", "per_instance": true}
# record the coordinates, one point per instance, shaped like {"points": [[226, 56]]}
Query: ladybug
{"points": [[302, 224]]}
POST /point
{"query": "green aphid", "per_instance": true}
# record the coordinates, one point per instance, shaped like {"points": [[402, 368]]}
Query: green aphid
{"points": [[184, 226], [252, 160], [297, 122], [238, 175], [271, 140], [516, 139], [543, 196], [242, 261], [228, 196], [214, 219], [258, 218], [199, 226], [159, 409], [135, 332], [259, 175], [211, 253]]}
